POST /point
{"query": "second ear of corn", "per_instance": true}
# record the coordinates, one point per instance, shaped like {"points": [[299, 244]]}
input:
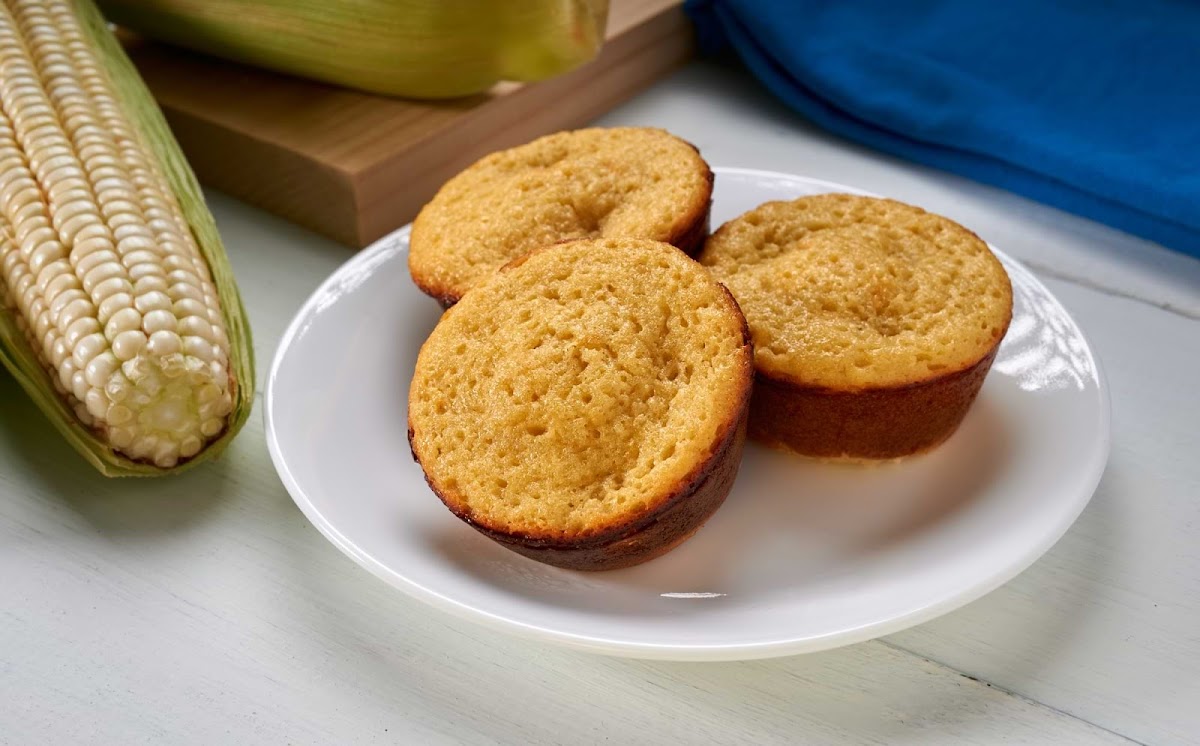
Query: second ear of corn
{"points": [[410, 48], [118, 311]]}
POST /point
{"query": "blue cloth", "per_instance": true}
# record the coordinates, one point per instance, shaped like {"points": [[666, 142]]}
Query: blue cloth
{"points": [[1089, 105]]}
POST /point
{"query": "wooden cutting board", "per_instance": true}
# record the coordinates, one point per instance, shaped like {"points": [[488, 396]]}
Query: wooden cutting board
{"points": [[355, 166]]}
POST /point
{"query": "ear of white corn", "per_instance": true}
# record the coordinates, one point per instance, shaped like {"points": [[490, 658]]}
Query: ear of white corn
{"points": [[118, 311]]}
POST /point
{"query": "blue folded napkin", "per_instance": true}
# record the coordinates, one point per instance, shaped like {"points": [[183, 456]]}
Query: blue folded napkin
{"points": [[1089, 105]]}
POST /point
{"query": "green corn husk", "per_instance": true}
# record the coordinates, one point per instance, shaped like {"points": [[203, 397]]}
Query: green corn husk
{"points": [[20, 358], [408, 48]]}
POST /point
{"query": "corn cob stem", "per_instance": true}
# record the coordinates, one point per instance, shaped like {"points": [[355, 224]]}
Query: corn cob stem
{"points": [[96, 257]]}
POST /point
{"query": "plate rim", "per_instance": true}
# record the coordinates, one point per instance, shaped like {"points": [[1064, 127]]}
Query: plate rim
{"points": [[673, 651]]}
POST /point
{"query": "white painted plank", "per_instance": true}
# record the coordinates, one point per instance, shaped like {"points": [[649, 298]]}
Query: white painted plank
{"points": [[205, 610]]}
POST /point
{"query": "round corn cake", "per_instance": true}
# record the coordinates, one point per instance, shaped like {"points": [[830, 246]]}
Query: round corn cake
{"points": [[874, 322], [634, 182], [586, 405]]}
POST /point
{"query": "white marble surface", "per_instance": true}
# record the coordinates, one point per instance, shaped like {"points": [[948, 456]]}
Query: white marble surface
{"points": [[204, 609]]}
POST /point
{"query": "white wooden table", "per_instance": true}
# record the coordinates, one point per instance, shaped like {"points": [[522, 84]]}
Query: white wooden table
{"points": [[205, 609]]}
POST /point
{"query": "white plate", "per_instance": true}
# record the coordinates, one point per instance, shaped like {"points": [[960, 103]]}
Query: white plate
{"points": [[803, 556]]}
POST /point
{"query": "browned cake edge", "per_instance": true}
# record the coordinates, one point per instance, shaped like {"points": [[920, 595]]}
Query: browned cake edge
{"points": [[874, 423], [677, 515], [689, 237], [443, 294], [696, 225]]}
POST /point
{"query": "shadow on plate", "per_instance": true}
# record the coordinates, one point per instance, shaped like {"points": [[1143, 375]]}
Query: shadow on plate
{"points": [[789, 524]]}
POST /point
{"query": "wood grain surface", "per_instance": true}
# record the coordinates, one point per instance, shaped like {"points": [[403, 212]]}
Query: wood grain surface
{"points": [[354, 166]]}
